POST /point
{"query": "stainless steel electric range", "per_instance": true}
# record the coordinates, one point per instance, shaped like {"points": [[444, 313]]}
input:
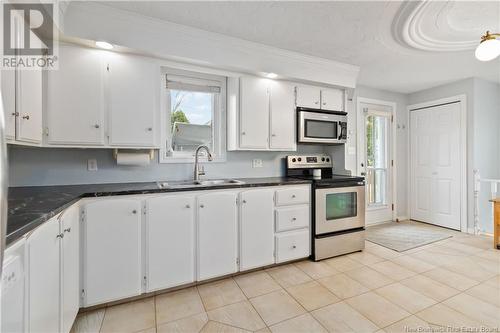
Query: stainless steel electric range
{"points": [[338, 211]]}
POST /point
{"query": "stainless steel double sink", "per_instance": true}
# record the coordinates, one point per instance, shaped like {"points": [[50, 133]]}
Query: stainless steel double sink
{"points": [[200, 183]]}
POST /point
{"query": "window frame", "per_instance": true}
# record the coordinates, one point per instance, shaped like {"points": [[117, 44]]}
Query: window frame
{"points": [[218, 119]]}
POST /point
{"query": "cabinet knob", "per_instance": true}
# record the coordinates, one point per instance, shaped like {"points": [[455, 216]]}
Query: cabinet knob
{"points": [[324, 103], [67, 230], [188, 206], [150, 129], [294, 246], [244, 201], [15, 114], [243, 133], [202, 206], [27, 117], [294, 219], [60, 236], [134, 211], [273, 134], [316, 103], [293, 196], [97, 126]]}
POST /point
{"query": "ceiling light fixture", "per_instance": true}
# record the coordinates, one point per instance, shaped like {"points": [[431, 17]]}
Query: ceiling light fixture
{"points": [[104, 45], [271, 75], [489, 47]]}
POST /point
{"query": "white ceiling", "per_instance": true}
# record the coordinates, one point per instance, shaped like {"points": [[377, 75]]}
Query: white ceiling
{"points": [[400, 46]]}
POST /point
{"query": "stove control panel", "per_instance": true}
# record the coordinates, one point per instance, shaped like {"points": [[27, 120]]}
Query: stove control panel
{"points": [[314, 161]]}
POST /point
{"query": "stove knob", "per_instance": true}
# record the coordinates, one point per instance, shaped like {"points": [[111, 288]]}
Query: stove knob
{"points": [[322, 159], [327, 159], [294, 160], [300, 159]]}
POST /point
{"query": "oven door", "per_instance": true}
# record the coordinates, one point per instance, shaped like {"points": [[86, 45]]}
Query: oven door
{"points": [[315, 127], [339, 209]]}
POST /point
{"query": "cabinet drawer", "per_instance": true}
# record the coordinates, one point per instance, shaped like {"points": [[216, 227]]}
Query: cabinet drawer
{"points": [[292, 245], [292, 196], [294, 217]]}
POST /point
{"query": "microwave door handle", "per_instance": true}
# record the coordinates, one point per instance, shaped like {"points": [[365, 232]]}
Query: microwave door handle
{"points": [[340, 130]]}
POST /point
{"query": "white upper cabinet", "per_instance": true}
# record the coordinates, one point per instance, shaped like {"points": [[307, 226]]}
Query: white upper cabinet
{"points": [[9, 102], [134, 85], [320, 98], [70, 266], [170, 235], [254, 112], [265, 118], [308, 97], [75, 98], [44, 277], [112, 250], [256, 228], [29, 101], [282, 108], [217, 234], [332, 99]]}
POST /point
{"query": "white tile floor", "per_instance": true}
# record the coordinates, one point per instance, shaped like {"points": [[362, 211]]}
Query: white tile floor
{"points": [[452, 283]]}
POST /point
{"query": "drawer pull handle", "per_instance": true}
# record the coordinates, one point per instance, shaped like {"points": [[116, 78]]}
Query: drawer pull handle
{"points": [[97, 126], [293, 196], [202, 206], [134, 211], [294, 247], [188, 206], [60, 236], [294, 219], [244, 201], [27, 117]]}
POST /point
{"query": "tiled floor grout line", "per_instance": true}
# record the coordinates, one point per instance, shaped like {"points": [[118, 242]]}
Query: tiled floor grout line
{"points": [[251, 304]]}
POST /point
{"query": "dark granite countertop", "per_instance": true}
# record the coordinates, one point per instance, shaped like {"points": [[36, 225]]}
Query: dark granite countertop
{"points": [[28, 207]]}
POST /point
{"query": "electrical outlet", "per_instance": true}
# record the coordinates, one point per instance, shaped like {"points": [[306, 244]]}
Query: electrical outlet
{"points": [[92, 164], [257, 163]]}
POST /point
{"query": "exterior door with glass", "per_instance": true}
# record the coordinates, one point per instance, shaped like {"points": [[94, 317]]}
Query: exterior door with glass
{"points": [[376, 161]]}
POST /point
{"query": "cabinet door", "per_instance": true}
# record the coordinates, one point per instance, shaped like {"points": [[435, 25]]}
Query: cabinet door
{"points": [[8, 84], [134, 85], [332, 99], [308, 97], [29, 104], [254, 113], [70, 267], [282, 108], [44, 277], [75, 97], [217, 234], [170, 241], [112, 250], [256, 228]]}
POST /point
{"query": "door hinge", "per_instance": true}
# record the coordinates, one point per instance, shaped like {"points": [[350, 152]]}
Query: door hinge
{"points": [[83, 294], [107, 67], [237, 261], [145, 281], [236, 201], [46, 131], [392, 206], [392, 162], [392, 118]]}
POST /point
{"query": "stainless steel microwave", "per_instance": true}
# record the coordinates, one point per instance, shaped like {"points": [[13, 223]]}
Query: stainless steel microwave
{"points": [[320, 126]]}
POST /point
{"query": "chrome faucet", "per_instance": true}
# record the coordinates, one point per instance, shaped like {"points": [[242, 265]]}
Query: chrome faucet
{"points": [[199, 171]]}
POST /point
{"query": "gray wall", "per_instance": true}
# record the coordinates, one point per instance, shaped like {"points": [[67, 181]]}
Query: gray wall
{"points": [[61, 166]]}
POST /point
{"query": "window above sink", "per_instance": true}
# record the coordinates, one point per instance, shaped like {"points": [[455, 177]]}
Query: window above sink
{"points": [[193, 110]]}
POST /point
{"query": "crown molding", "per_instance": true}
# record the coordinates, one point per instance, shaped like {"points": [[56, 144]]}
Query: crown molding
{"points": [[92, 21]]}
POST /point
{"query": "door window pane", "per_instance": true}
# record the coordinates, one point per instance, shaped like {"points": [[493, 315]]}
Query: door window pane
{"points": [[341, 205], [377, 159], [191, 119]]}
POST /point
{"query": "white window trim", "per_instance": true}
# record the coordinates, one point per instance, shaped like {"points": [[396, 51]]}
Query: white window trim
{"points": [[219, 121]]}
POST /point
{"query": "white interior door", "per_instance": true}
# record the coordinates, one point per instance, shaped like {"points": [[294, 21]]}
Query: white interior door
{"points": [[435, 165], [376, 161]]}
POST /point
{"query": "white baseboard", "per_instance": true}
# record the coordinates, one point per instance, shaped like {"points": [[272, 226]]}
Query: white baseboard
{"points": [[402, 218]]}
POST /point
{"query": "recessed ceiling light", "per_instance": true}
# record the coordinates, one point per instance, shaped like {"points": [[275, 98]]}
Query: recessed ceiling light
{"points": [[489, 47], [271, 75], [104, 45]]}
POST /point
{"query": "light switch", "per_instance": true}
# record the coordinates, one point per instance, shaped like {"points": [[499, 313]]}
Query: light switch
{"points": [[92, 164]]}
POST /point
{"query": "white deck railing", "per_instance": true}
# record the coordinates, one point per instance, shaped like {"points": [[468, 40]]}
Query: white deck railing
{"points": [[494, 183]]}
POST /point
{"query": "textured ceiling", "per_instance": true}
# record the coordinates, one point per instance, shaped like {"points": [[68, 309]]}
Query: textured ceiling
{"points": [[400, 46]]}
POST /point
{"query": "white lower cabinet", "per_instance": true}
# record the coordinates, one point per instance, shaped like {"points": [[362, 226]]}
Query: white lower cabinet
{"points": [[44, 246], [256, 228], [170, 236], [70, 266], [217, 234], [112, 250]]}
